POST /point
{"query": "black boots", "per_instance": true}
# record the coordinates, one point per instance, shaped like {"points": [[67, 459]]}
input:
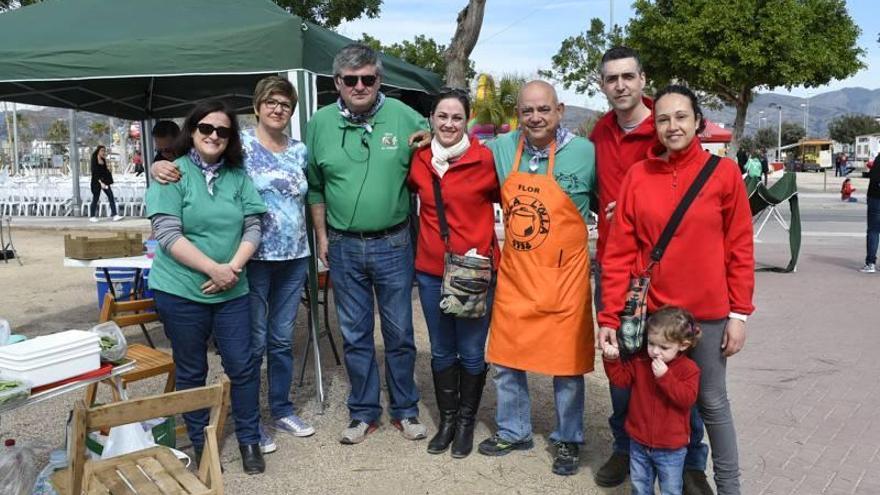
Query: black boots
{"points": [[446, 391], [471, 391]]}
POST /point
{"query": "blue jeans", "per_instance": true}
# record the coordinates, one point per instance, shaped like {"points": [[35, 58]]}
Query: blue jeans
{"points": [[188, 325], [646, 464], [453, 340], [873, 234], [358, 267], [514, 412], [275, 291]]}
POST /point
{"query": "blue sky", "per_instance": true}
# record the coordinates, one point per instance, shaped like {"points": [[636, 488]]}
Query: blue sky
{"points": [[522, 35]]}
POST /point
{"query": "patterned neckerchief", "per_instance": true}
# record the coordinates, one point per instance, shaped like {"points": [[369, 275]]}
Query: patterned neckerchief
{"points": [[563, 137], [211, 172], [361, 119]]}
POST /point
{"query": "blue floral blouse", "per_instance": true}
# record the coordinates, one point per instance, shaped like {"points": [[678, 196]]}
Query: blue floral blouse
{"points": [[281, 181]]}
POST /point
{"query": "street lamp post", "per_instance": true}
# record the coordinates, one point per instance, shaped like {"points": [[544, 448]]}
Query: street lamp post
{"points": [[779, 132], [806, 107]]}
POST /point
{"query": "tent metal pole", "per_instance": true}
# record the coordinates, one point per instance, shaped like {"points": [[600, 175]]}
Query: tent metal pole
{"points": [[302, 81], [74, 162], [147, 147], [14, 139]]}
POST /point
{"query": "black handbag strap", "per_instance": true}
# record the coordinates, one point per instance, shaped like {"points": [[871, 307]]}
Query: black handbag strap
{"points": [[441, 212], [682, 208]]}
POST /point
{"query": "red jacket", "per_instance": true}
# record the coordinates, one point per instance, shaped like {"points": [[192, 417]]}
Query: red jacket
{"points": [[659, 413], [469, 187], [616, 152], [708, 267], [846, 190]]}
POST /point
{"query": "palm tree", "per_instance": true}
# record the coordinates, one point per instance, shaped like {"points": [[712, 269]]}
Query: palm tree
{"points": [[497, 105]]}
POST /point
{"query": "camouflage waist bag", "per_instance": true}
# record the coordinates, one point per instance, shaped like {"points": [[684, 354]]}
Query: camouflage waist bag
{"points": [[465, 289]]}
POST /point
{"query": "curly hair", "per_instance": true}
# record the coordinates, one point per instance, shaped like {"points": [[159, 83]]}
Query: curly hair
{"points": [[675, 325]]}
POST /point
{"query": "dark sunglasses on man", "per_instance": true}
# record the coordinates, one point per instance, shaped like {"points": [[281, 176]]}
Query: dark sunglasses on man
{"points": [[351, 81], [208, 129]]}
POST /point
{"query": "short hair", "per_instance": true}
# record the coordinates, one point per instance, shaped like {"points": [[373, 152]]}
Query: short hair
{"points": [[455, 94], [675, 325], [270, 85], [684, 91], [166, 128], [355, 56], [620, 52], [233, 155]]}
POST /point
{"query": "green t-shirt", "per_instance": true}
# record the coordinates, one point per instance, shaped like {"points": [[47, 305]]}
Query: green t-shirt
{"points": [[213, 223], [574, 171], [361, 176]]}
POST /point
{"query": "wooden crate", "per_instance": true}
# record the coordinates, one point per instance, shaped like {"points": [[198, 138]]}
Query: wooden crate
{"points": [[93, 248]]}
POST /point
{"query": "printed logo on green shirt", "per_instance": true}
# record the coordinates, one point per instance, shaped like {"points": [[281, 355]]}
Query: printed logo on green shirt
{"points": [[389, 141]]}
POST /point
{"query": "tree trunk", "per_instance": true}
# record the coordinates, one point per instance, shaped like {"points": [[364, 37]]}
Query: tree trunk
{"points": [[739, 123], [470, 21]]}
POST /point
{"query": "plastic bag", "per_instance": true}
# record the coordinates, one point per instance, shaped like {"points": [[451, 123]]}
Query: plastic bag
{"points": [[113, 344], [18, 470], [127, 438]]}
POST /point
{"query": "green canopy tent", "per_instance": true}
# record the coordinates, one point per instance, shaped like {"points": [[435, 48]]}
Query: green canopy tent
{"points": [[145, 60], [765, 203]]}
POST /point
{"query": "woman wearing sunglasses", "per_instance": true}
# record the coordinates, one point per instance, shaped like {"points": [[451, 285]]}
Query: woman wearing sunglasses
{"points": [[465, 171], [208, 226], [278, 270]]}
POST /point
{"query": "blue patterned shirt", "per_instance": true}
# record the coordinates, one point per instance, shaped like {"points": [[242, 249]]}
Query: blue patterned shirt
{"points": [[281, 181]]}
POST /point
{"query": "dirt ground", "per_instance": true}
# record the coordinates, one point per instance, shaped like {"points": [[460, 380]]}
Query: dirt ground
{"points": [[42, 297]]}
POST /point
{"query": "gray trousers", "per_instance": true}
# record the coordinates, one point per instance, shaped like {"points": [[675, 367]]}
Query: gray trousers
{"points": [[715, 407]]}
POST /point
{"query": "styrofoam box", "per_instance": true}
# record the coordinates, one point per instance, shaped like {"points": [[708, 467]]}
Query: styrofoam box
{"points": [[51, 358]]}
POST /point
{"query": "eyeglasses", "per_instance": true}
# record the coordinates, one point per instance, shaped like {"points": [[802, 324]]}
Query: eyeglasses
{"points": [[351, 81], [208, 129], [274, 104]]}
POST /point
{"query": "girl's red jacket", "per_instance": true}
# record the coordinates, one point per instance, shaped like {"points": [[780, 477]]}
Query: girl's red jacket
{"points": [[709, 264], [659, 413]]}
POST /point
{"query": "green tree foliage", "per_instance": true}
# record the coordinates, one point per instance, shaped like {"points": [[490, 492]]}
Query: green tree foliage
{"points": [[59, 132], [766, 137], [98, 130], [749, 144], [792, 133], [845, 128], [331, 13], [421, 51], [498, 103], [730, 48], [576, 64]]}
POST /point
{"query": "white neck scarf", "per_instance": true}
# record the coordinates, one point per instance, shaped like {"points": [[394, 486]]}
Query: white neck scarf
{"points": [[441, 155]]}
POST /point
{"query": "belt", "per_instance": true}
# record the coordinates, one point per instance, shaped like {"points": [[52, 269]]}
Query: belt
{"points": [[376, 234]]}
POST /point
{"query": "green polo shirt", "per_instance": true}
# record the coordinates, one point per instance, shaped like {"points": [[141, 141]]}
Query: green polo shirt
{"points": [[574, 171], [213, 223], [361, 176]]}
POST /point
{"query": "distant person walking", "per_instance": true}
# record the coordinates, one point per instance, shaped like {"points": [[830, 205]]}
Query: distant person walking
{"points": [[102, 179], [873, 234]]}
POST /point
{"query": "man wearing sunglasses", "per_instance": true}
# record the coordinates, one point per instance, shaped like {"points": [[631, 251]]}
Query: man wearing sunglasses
{"points": [[358, 164]]}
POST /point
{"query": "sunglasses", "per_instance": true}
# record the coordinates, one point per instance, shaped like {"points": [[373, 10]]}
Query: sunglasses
{"points": [[208, 129], [351, 81]]}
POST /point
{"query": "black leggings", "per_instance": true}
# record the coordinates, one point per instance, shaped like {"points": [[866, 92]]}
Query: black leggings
{"points": [[96, 195]]}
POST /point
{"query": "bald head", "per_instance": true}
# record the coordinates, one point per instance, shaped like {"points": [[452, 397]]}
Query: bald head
{"points": [[539, 112]]}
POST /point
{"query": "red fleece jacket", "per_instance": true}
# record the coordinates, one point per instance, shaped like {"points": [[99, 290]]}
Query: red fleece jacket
{"points": [[616, 152], [708, 267], [659, 413], [469, 187]]}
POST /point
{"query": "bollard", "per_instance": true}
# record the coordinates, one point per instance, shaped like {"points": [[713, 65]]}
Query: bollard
{"points": [[825, 180]]}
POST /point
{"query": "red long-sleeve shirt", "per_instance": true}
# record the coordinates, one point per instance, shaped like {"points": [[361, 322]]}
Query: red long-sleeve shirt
{"points": [[708, 267], [659, 408], [616, 152], [469, 188]]}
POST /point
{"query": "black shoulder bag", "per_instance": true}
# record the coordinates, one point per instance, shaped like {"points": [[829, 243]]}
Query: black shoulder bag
{"points": [[466, 279], [631, 337]]}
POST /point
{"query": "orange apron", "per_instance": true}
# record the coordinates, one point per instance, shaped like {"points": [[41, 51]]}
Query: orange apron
{"points": [[542, 317]]}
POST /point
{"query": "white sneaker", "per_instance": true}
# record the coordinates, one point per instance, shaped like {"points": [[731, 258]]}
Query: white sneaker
{"points": [[294, 425], [117, 218], [93, 219], [869, 268]]}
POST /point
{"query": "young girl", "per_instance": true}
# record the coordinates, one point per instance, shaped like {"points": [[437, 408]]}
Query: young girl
{"points": [[846, 191], [664, 385]]}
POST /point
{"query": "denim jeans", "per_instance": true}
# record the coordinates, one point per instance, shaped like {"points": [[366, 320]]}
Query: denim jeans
{"points": [[514, 412], [188, 325], [275, 291], [873, 235], [96, 197], [453, 340], [358, 268], [646, 464]]}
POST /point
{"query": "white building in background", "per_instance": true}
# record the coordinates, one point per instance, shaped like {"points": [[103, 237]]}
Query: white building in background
{"points": [[867, 147]]}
